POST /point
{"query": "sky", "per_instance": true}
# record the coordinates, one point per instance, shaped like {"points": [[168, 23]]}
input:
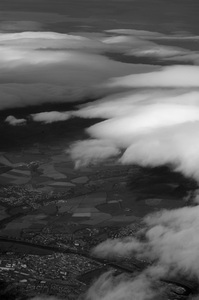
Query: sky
{"points": [[146, 101], [166, 15]]}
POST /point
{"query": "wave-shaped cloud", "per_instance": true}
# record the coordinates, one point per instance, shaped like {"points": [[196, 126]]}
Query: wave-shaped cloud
{"points": [[34, 64], [154, 126], [79, 63], [175, 76]]}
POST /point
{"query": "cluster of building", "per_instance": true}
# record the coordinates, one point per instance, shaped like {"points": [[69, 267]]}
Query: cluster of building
{"points": [[49, 274], [16, 195]]}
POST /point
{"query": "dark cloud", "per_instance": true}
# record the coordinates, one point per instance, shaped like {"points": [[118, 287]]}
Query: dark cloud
{"points": [[14, 26], [169, 16]]}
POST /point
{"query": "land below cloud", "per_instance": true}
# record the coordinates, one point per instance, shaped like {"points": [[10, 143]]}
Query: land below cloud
{"points": [[52, 215]]}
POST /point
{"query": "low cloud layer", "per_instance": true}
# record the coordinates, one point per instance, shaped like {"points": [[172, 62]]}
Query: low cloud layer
{"points": [[38, 67], [154, 122], [169, 240], [92, 151], [108, 287], [175, 76], [153, 126], [75, 66]]}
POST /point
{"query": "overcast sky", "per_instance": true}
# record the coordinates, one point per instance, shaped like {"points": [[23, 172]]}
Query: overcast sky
{"points": [[168, 15]]}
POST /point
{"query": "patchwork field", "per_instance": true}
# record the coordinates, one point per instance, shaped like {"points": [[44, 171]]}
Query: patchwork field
{"points": [[42, 188]]}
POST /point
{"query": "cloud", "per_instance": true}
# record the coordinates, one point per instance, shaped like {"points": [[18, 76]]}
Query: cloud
{"points": [[117, 247], [92, 151], [162, 52], [109, 287], [14, 121], [49, 40], [133, 32], [77, 63], [44, 298], [69, 66], [153, 126], [51, 117], [154, 121], [121, 104], [153, 35], [27, 94], [147, 44], [139, 45], [170, 241], [13, 26], [144, 120], [178, 146], [174, 76]]}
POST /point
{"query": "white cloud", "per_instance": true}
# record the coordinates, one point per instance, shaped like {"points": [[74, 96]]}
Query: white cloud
{"points": [[92, 151], [143, 44], [144, 119], [117, 247], [153, 126], [152, 35], [171, 242], [178, 145], [52, 40], [14, 121], [121, 104], [108, 287], [175, 76], [51, 117], [159, 51], [172, 239], [135, 45], [68, 63]]}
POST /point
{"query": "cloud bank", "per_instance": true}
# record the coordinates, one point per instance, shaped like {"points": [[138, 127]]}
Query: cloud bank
{"points": [[152, 126], [108, 287], [153, 122], [92, 151], [75, 66], [169, 240], [175, 76], [38, 67]]}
